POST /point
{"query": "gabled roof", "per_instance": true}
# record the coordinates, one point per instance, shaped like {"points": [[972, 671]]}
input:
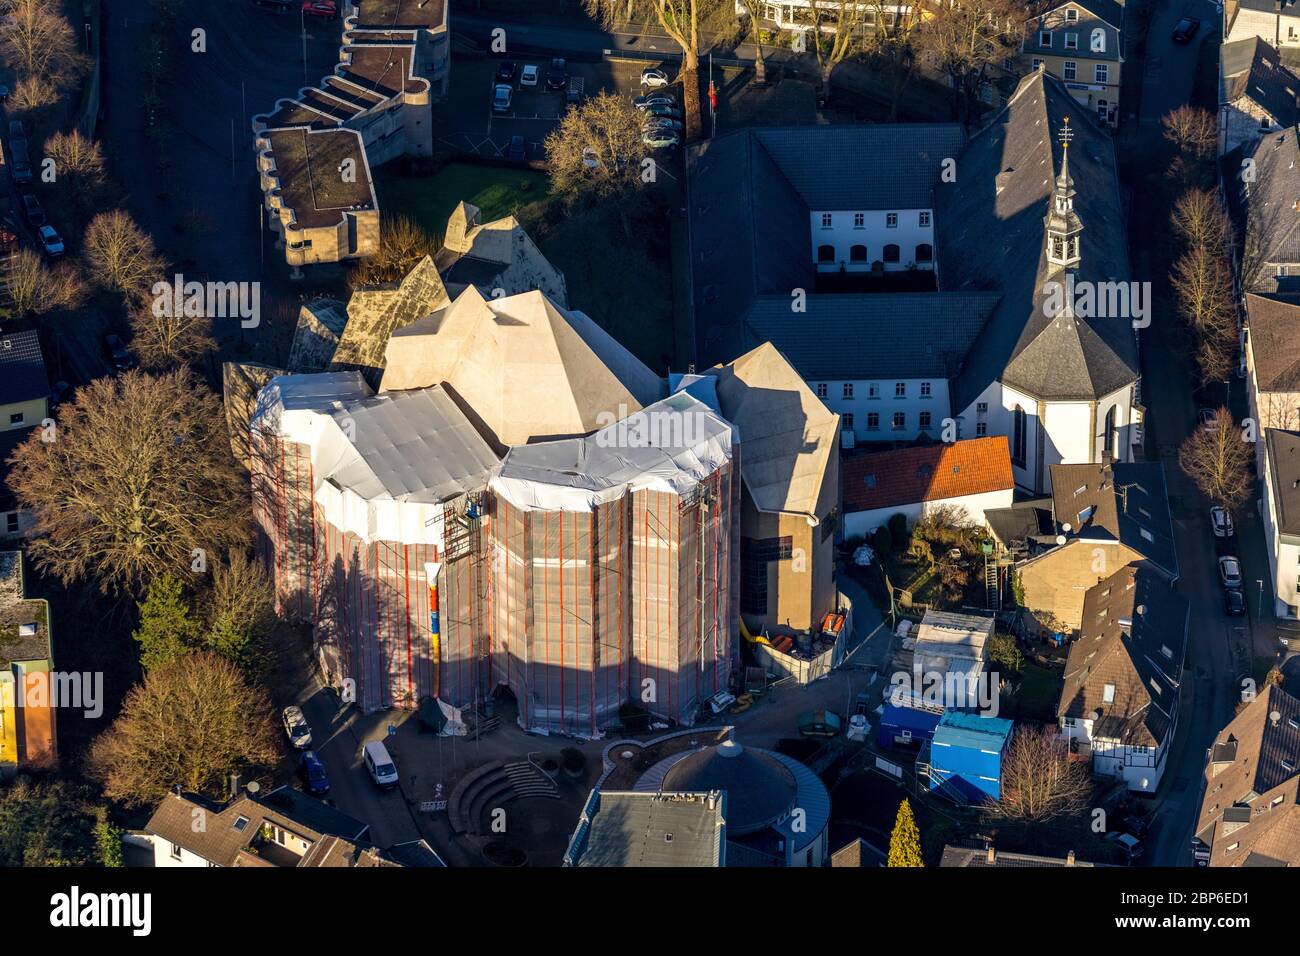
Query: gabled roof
{"points": [[1274, 342], [1126, 502], [961, 856], [991, 235], [910, 334], [523, 368], [22, 368], [1283, 450], [1092, 13], [1272, 197], [1249, 813], [936, 472], [789, 439], [1253, 69], [1133, 640]]}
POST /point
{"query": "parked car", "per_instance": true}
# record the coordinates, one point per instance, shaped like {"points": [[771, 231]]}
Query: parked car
{"points": [[314, 778], [528, 77], [1206, 417], [51, 241], [295, 726], [660, 138], [502, 97], [379, 765], [1221, 522], [558, 76], [663, 109], [574, 93], [663, 122], [32, 211], [1134, 824], [1234, 602], [324, 9], [20, 164], [1185, 29], [1230, 571], [116, 352], [819, 723], [654, 77], [1128, 843], [662, 97], [506, 73], [517, 151], [721, 702]]}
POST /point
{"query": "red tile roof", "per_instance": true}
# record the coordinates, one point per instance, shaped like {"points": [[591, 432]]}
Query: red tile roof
{"points": [[887, 479]]}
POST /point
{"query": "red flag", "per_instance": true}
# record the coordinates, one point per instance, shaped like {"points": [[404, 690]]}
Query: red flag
{"points": [[713, 97]]}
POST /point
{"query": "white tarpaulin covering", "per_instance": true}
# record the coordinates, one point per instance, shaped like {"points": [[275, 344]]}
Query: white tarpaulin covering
{"points": [[669, 446]]}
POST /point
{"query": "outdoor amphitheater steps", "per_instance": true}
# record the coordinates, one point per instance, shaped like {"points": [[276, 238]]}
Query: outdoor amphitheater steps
{"points": [[499, 782]]}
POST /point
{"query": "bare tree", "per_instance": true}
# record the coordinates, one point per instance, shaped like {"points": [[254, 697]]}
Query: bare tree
{"points": [[166, 338], [838, 32], [402, 244], [1217, 458], [597, 149], [79, 170], [37, 288], [685, 22], [239, 612], [755, 30], [120, 255], [1039, 780], [1194, 133], [32, 93], [965, 40], [1202, 282], [893, 47], [38, 42], [189, 724], [1200, 220], [135, 478]]}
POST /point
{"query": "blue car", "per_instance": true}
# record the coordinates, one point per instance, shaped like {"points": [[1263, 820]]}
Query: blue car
{"points": [[313, 773]]}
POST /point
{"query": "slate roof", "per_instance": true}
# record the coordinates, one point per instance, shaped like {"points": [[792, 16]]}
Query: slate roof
{"points": [[1284, 470], [22, 368], [1272, 197], [1250, 815], [653, 829], [1092, 14], [1252, 68], [1133, 637], [962, 856], [1022, 521], [887, 334], [991, 235], [1274, 327], [927, 473], [1129, 503]]}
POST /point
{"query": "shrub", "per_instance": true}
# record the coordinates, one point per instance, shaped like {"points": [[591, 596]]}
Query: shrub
{"points": [[882, 541], [898, 526], [573, 759]]}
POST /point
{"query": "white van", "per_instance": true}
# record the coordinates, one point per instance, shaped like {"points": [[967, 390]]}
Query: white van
{"points": [[380, 766]]}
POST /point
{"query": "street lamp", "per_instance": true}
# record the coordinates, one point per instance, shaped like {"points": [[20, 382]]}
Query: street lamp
{"points": [[1259, 604]]}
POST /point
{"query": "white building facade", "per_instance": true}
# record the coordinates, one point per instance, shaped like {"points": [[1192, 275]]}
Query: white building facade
{"points": [[860, 240]]}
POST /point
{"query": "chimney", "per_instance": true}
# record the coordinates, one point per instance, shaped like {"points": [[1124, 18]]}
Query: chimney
{"points": [[1069, 858], [990, 855], [234, 786]]}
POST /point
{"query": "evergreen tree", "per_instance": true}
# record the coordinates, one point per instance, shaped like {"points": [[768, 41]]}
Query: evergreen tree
{"points": [[905, 841], [167, 627]]}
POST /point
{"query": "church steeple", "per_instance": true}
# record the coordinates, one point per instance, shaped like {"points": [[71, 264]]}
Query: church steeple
{"points": [[1063, 225]]}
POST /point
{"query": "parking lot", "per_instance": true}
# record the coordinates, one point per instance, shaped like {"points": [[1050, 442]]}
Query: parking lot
{"points": [[471, 124]]}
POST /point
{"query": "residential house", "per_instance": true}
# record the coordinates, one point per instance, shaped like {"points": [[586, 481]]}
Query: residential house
{"points": [[650, 829], [28, 725], [1082, 43], [1124, 675], [315, 150], [973, 475], [774, 222], [24, 405], [790, 474], [1276, 21], [1266, 174], [1280, 479], [1272, 359], [1106, 517], [1257, 94], [987, 856], [964, 759], [1250, 805], [283, 828]]}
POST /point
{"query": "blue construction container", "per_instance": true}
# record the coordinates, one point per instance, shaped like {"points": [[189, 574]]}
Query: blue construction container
{"points": [[966, 753], [905, 726]]}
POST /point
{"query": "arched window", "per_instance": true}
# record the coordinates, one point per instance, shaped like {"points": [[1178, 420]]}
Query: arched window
{"points": [[924, 252], [891, 253], [858, 254], [1018, 436], [825, 253], [1110, 437]]}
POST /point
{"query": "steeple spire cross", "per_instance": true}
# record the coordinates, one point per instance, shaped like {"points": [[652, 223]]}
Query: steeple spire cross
{"points": [[1065, 134]]}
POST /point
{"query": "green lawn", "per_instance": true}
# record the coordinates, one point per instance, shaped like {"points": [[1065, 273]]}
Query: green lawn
{"points": [[429, 200], [1037, 696]]}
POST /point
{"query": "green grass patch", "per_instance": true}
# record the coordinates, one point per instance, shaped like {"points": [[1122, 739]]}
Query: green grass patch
{"points": [[429, 200], [1037, 691]]}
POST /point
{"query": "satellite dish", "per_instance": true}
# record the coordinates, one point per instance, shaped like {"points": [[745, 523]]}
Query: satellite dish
{"points": [[1095, 715], [1275, 716], [1060, 539], [1066, 527], [253, 787]]}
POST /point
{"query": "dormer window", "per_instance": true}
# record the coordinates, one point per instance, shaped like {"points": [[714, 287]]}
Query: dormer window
{"points": [[1071, 13], [1072, 41]]}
